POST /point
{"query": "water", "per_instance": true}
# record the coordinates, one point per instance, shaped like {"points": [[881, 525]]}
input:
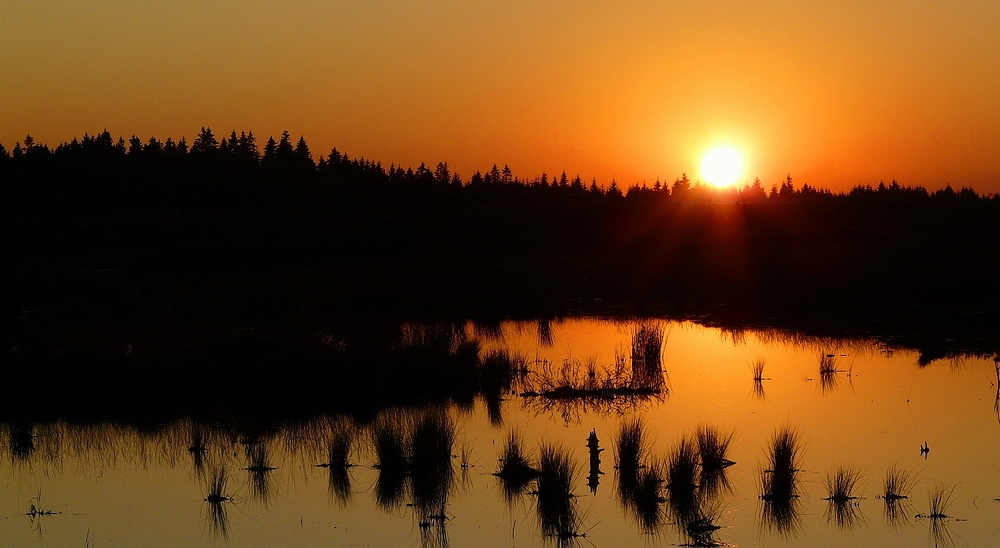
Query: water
{"points": [[119, 484]]}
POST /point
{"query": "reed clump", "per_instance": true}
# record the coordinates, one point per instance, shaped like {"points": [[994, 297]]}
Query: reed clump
{"points": [[896, 487], [556, 507], [516, 471], [713, 447], [840, 486], [780, 483]]}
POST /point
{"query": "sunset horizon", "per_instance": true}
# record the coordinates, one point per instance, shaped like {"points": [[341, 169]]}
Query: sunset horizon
{"points": [[835, 94], [537, 273]]}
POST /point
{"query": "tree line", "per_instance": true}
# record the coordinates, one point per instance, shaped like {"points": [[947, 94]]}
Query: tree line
{"points": [[234, 166]]}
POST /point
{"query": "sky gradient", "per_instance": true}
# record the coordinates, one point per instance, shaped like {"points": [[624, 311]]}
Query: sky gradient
{"points": [[834, 93]]}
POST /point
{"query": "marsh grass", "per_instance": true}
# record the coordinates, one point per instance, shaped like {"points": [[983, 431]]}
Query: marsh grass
{"points": [[432, 470], [996, 400], [630, 381], [828, 372], [515, 471], [701, 531], [544, 332], [579, 386], [681, 477], [647, 355], [897, 484], [757, 371], [259, 469], [632, 447], [843, 508], [501, 372], [339, 463], [841, 483], [555, 500], [896, 487], [938, 501], [780, 483], [682, 466], [216, 498], [713, 447], [21, 438], [647, 498], [392, 453], [198, 450]]}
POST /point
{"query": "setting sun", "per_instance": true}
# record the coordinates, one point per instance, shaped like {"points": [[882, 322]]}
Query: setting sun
{"points": [[721, 166]]}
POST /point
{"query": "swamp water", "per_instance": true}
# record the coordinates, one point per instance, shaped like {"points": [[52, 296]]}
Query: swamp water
{"points": [[801, 453]]}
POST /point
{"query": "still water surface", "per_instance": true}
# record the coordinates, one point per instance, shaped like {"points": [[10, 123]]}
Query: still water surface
{"points": [[425, 476]]}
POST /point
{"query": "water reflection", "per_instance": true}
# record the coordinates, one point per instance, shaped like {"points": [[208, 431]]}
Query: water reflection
{"points": [[713, 447], [640, 479], [628, 384], [843, 508], [218, 500], [780, 490], [400, 459], [516, 472], [259, 470], [338, 462], [938, 500], [757, 369], [594, 450], [896, 487]]}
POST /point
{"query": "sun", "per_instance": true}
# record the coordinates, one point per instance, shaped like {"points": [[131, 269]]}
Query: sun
{"points": [[722, 166]]}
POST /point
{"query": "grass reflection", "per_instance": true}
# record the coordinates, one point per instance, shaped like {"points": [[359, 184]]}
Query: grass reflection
{"points": [[779, 511], [896, 487], [842, 508]]}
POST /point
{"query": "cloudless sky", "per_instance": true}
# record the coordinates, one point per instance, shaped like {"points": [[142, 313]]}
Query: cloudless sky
{"points": [[834, 93]]}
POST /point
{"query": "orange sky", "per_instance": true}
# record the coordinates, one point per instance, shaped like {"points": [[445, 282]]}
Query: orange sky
{"points": [[835, 93]]}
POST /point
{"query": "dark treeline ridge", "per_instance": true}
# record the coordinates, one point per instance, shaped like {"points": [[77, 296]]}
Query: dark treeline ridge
{"points": [[139, 230]]}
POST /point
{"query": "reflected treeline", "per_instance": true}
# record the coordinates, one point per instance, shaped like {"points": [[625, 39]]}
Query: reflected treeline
{"points": [[252, 375], [354, 366]]}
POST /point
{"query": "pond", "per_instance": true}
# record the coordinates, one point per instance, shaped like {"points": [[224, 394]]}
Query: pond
{"points": [[582, 432]]}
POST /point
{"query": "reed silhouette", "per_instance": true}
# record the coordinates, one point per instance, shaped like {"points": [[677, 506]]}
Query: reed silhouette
{"points": [[515, 471], [896, 487], [577, 386], [259, 470], [683, 501], [843, 509], [501, 373], [392, 451], [779, 481], [938, 501], [828, 372], [217, 498], [757, 369], [713, 448], [339, 463], [555, 501]]}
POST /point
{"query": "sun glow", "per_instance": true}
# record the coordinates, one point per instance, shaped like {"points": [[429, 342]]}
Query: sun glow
{"points": [[721, 166]]}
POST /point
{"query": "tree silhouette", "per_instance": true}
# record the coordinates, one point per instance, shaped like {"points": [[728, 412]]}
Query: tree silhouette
{"points": [[205, 141]]}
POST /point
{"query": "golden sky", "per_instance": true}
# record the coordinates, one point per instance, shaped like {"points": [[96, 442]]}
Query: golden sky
{"points": [[835, 93]]}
